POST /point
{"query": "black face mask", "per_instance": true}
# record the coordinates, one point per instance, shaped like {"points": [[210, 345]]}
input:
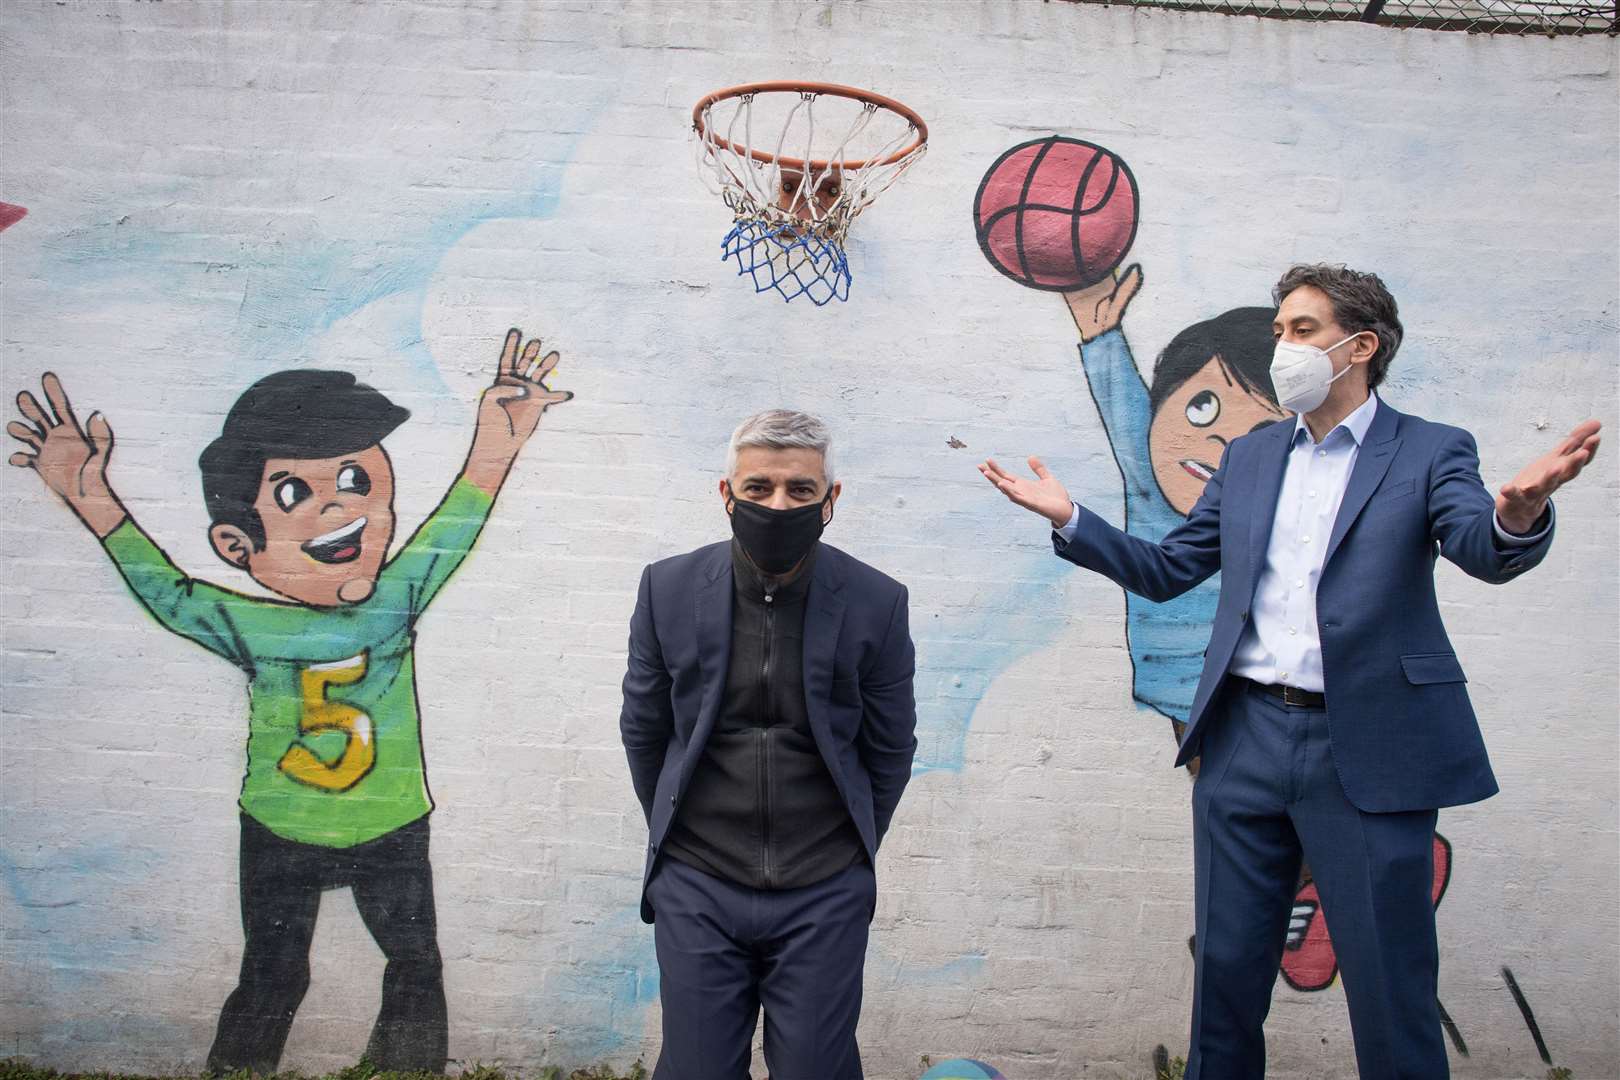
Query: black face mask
{"points": [[776, 540]]}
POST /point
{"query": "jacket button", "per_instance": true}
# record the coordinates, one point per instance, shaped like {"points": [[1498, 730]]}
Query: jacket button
{"points": [[1243, 617], [672, 799]]}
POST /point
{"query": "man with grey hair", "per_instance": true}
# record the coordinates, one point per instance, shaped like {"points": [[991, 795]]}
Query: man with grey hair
{"points": [[769, 722], [1331, 715]]}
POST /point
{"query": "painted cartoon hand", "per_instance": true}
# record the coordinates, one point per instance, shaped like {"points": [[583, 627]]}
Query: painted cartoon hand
{"points": [[1044, 495], [510, 409], [1522, 500], [1099, 308], [71, 460]]}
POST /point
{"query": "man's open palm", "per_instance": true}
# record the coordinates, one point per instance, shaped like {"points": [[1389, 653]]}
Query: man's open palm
{"points": [[1522, 500], [1044, 494]]}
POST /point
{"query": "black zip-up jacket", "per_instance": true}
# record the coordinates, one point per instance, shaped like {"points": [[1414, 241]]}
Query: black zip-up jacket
{"points": [[762, 809]]}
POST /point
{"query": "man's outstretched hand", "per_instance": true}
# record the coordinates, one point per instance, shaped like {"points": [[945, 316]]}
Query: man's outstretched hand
{"points": [[1044, 494], [1522, 500], [510, 410], [71, 460]]}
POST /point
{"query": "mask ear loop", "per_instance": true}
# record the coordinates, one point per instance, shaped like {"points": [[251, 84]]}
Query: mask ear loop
{"points": [[1352, 337], [1351, 363], [829, 504]]}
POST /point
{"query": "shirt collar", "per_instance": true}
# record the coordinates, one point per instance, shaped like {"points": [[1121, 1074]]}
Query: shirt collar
{"points": [[1357, 423]]}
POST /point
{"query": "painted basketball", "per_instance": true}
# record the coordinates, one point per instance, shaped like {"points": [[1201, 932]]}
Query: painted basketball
{"points": [[962, 1069], [1056, 213]]}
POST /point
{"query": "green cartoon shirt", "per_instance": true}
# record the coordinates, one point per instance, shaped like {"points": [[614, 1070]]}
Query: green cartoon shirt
{"points": [[334, 739]]}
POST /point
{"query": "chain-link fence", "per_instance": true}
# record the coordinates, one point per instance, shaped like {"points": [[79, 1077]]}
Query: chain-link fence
{"points": [[1552, 17]]}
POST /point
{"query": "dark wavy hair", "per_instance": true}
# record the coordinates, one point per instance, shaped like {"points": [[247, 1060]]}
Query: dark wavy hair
{"points": [[1360, 302]]}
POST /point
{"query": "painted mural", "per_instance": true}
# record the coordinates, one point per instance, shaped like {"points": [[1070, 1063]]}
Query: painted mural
{"points": [[329, 238], [300, 497]]}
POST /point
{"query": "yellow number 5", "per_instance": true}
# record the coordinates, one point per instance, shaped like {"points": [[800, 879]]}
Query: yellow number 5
{"points": [[360, 749]]}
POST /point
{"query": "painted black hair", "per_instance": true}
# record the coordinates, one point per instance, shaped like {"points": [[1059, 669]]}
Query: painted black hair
{"points": [[1241, 337], [291, 414]]}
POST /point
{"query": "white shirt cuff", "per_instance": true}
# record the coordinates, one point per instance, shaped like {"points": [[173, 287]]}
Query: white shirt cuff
{"points": [[1521, 541], [1066, 534]]}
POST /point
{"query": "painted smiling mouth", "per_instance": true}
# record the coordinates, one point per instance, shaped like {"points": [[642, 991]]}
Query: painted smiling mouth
{"points": [[339, 545], [1198, 468]]}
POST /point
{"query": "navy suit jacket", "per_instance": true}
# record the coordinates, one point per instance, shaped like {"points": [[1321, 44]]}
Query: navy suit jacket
{"points": [[858, 668], [1402, 731]]}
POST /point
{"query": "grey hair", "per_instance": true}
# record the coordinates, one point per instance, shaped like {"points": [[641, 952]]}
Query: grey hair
{"points": [[783, 429], [1360, 302]]}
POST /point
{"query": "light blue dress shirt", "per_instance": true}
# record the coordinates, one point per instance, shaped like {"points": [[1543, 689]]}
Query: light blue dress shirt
{"points": [[1281, 643]]}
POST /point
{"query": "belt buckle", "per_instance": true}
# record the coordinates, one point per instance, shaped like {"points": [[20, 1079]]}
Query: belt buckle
{"points": [[1289, 699]]}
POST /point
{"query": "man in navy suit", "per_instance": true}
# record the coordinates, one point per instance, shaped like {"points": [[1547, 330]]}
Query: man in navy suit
{"points": [[768, 718], [1331, 714]]}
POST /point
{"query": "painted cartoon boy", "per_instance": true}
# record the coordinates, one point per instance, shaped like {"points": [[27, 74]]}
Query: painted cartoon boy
{"points": [[300, 494], [1211, 384]]}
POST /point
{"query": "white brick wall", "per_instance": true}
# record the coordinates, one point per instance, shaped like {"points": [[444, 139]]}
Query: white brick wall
{"points": [[219, 190]]}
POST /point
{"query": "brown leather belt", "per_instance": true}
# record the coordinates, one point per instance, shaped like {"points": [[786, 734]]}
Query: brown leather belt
{"points": [[1290, 695]]}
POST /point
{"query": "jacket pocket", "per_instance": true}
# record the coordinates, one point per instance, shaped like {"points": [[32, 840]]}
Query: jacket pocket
{"points": [[1440, 667], [1398, 488], [1393, 495]]}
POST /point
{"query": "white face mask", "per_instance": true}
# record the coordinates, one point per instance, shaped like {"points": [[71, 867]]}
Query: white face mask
{"points": [[1302, 374]]}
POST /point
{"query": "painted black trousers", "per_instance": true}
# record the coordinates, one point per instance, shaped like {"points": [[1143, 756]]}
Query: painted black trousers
{"points": [[1268, 794], [281, 885], [726, 950]]}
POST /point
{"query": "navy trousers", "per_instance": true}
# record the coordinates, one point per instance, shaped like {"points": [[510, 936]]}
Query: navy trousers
{"points": [[1266, 792], [725, 950]]}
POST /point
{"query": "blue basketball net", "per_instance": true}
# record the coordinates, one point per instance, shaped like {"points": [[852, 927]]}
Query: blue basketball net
{"points": [[791, 259]]}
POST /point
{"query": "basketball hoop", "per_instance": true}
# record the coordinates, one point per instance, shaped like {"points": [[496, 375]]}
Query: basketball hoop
{"points": [[791, 215]]}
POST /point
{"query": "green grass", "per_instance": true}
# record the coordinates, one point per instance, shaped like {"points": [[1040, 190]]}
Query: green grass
{"points": [[12, 1069], [1174, 1069]]}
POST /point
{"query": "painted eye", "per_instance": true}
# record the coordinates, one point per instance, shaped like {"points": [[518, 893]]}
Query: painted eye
{"points": [[290, 492], [1203, 409], [354, 479]]}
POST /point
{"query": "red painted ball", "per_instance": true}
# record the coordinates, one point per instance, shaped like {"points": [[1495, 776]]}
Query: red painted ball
{"points": [[1056, 213]]}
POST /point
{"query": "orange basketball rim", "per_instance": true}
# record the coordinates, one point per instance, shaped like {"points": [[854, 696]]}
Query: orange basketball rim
{"points": [[796, 163]]}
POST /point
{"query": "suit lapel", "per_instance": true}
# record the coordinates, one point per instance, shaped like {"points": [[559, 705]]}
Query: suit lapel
{"points": [[1372, 462], [823, 619], [1268, 485], [713, 613]]}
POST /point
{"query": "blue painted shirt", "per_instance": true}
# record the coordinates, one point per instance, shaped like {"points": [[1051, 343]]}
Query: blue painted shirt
{"points": [[1166, 640]]}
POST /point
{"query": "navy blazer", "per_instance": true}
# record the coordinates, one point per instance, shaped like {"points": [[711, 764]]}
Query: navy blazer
{"points": [[858, 668], [1401, 728]]}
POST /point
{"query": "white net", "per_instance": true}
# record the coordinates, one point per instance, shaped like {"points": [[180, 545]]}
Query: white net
{"points": [[821, 159]]}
